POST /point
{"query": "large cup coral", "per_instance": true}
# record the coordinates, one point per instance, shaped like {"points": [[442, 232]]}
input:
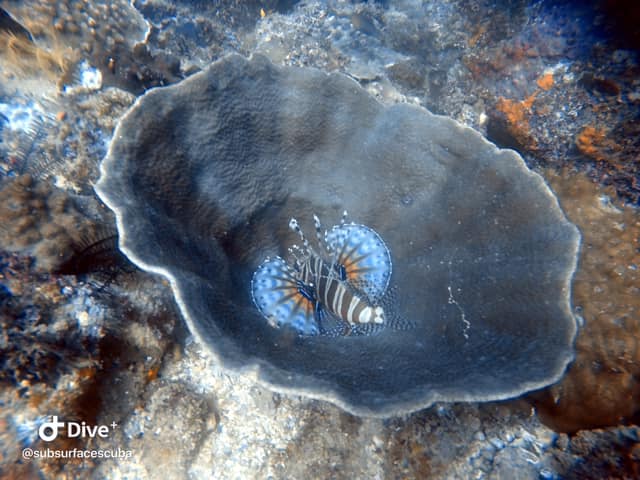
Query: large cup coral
{"points": [[204, 176]]}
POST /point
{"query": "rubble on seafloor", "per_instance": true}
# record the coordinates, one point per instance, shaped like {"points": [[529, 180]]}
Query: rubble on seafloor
{"points": [[558, 83]]}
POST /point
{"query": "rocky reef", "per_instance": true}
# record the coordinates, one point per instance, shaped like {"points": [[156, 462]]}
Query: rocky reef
{"points": [[86, 336]]}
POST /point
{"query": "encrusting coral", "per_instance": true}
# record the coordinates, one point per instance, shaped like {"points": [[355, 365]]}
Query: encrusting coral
{"points": [[602, 386]]}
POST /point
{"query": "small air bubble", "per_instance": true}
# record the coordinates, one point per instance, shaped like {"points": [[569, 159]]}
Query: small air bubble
{"points": [[407, 200]]}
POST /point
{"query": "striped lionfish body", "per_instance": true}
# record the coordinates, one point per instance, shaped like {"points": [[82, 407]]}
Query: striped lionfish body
{"points": [[331, 291]]}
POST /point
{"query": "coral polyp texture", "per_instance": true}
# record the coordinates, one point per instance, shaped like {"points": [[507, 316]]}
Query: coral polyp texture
{"points": [[205, 175], [109, 37], [41, 220]]}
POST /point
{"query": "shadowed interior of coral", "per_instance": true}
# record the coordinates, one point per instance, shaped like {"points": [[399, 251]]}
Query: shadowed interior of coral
{"points": [[205, 175]]}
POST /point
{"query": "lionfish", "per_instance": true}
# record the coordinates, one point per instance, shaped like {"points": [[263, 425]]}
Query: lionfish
{"points": [[336, 290]]}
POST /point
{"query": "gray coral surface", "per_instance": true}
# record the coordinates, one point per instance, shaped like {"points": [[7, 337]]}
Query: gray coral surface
{"points": [[204, 176]]}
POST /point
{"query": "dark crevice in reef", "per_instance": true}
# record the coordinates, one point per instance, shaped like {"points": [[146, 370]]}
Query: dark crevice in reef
{"points": [[96, 253]]}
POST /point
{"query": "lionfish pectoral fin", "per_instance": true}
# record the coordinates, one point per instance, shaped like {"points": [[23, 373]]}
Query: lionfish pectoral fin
{"points": [[275, 291], [363, 256]]}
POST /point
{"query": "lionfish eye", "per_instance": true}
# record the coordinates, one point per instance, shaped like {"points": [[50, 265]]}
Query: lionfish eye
{"points": [[342, 272]]}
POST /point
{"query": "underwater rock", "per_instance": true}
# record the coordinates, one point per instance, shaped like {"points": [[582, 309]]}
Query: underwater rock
{"points": [[64, 351], [187, 412], [602, 386], [204, 177]]}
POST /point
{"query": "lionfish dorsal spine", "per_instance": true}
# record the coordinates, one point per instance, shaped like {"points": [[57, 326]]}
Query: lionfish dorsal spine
{"points": [[295, 226]]}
